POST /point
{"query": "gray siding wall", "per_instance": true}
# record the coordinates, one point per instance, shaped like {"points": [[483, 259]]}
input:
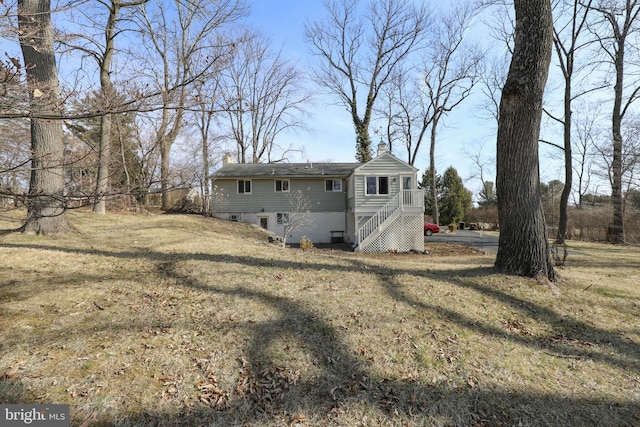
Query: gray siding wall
{"points": [[264, 198], [383, 166]]}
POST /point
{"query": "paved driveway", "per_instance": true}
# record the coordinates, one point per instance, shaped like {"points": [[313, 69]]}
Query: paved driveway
{"points": [[476, 239]]}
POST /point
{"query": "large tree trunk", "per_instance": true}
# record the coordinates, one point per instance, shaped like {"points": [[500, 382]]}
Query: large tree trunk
{"points": [[523, 247], [165, 149], [104, 155], [104, 151], [46, 206]]}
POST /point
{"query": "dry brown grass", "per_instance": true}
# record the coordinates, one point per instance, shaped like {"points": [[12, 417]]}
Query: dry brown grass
{"points": [[179, 320]]}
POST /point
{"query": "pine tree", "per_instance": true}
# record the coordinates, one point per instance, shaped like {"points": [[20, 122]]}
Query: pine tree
{"points": [[455, 200]]}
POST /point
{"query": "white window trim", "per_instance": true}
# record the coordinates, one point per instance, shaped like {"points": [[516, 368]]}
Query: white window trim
{"points": [[275, 189], [332, 186], [377, 177], [250, 186]]}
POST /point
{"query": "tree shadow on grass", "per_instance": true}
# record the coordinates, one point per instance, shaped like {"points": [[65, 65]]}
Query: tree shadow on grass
{"points": [[625, 355], [342, 381], [565, 328]]}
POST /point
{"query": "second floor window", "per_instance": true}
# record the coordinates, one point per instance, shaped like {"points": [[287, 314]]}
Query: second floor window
{"points": [[244, 186], [377, 185], [332, 185], [282, 185]]}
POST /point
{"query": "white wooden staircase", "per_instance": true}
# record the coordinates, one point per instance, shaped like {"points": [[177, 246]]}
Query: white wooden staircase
{"points": [[397, 226]]}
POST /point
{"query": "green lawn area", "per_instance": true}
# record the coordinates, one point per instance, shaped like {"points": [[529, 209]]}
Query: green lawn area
{"points": [[165, 320]]}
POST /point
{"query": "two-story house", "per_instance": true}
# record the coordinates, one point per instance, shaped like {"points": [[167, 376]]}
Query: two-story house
{"points": [[376, 205]]}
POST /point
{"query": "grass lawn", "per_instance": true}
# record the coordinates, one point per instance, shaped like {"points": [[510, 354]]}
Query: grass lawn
{"points": [[164, 320]]}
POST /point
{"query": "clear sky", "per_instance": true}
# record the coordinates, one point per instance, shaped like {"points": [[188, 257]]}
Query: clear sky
{"points": [[332, 135]]}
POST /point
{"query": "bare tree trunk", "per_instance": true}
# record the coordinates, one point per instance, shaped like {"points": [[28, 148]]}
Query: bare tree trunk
{"points": [[104, 154], [432, 165], [104, 150], [206, 196], [363, 141], [568, 166], [567, 43], [523, 247], [46, 206], [616, 231]]}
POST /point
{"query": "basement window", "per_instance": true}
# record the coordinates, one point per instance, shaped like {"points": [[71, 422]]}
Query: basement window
{"points": [[282, 218]]}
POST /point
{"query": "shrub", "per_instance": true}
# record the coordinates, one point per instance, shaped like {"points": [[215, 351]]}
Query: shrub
{"points": [[306, 244]]}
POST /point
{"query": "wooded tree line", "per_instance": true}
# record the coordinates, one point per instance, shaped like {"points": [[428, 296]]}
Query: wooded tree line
{"points": [[139, 77]]}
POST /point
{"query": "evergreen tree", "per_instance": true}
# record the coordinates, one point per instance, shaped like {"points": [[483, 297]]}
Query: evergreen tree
{"points": [[125, 165], [488, 196], [455, 200]]}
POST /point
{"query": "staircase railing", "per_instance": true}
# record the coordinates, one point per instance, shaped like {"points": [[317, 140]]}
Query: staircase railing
{"points": [[378, 218], [405, 198]]}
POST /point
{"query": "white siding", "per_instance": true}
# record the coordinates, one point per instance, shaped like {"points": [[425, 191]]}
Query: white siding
{"points": [[318, 231]]}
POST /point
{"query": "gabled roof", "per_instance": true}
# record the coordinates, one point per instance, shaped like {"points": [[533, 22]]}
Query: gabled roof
{"points": [[385, 157], [286, 170]]}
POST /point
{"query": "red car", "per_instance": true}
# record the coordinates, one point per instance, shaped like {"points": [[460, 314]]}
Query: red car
{"points": [[430, 228]]}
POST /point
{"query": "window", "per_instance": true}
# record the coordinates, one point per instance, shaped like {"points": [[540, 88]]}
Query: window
{"points": [[282, 185], [372, 187], [383, 185], [244, 186], [332, 185], [282, 218], [377, 185], [406, 183]]}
